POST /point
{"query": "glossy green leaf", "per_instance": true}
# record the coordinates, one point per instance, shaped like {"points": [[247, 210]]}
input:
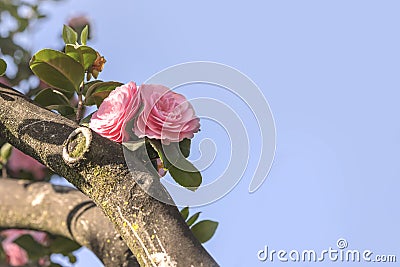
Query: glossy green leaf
{"points": [[184, 146], [181, 170], [193, 219], [151, 152], [57, 69], [84, 35], [204, 230], [158, 147], [69, 35], [63, 245], [186, 175], [88, 85], [3, 67], [34, 249], [102, 86], [98, 92], [185, 213], [48, 96], [97, 98], [53, 264], [89, 56], [73, 52], [172, 153], [66, 111], [83, 54]]}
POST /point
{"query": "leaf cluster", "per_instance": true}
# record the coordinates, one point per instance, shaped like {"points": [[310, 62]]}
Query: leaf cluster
{"points": [[64, 73], [202, 230], [56, 245]]}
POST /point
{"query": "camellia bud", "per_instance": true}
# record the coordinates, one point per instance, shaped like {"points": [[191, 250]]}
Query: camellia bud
{"points": [[97, 66], [160, 168]]}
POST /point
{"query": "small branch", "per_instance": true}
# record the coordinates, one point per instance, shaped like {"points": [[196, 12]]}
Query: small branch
{"points": [[77, 145], [62, 211], [79, 112]]}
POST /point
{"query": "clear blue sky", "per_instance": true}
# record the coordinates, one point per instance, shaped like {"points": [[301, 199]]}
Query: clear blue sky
{"points": [[330, 72]]}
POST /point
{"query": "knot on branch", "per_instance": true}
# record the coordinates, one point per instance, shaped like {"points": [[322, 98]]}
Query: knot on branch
{"points": [[77, 145]]}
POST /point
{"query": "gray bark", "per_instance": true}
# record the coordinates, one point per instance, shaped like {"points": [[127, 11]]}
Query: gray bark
{"points": [[63, 211], [155, 232]]}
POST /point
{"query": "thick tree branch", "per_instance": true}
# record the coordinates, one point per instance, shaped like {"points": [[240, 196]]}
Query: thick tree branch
{"points": [[64, 211], [154, 231]]}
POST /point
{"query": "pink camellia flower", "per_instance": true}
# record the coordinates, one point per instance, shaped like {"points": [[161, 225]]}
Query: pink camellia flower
{"points": [[166, 115], [19, 161], [115, 111], [12, 234], [17, 256]]}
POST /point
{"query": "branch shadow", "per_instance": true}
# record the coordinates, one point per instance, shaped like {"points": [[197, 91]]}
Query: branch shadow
{"points": [[77, 212], [49, 132]]}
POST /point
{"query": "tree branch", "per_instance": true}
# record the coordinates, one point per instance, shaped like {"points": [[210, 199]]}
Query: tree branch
{"points": [[64, 211], [155, 232]]}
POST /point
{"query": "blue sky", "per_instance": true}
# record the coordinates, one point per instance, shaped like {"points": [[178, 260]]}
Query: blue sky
{"points": [[329, 70]]}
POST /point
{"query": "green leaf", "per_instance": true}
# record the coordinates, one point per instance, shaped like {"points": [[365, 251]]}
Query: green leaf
{"points": [[73, 52], [84, 35], [63, 245], [193, 219], [97, 98], [151, 152], [98, 92], [57, 69], [204, 230], [64, 110], [185, 213], [48, 96], [89, 56], [181, 170], [3, 67], [69, 35], [186, 175], [5, 152], [83, 54], [184, 146], [88, 85], [34, 249], [53, 264], [172, 153], [158, 147]]}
